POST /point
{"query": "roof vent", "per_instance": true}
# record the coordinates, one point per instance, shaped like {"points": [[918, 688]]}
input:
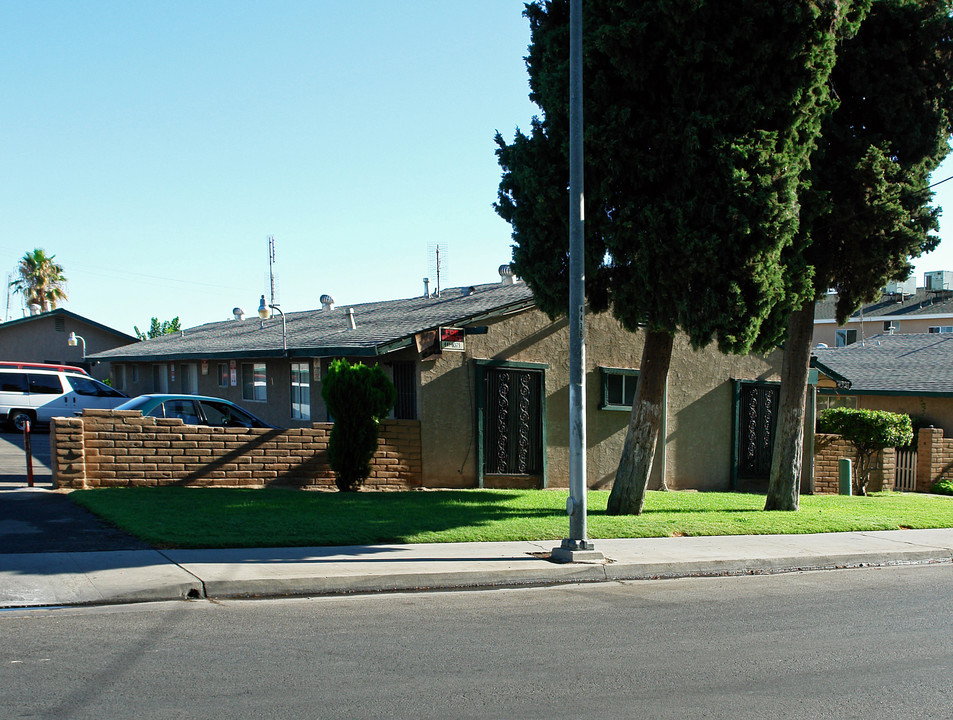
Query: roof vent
{"points": [[238, 313], [426, 287], [507, 275], [327, 302], [350, 319]]}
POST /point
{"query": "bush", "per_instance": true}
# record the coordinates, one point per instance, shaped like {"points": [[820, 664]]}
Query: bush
{"points": [[943, 487], [358, 398], [868, 431]]}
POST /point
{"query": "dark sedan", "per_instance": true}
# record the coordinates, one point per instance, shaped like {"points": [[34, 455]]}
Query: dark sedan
{"points": [[195, 410]]}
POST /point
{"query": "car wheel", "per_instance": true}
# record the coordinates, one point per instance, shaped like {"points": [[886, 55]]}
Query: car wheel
{"points": [[18, 419]]}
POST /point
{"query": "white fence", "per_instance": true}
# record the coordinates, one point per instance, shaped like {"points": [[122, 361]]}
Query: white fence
{"points": [[906, 479]]}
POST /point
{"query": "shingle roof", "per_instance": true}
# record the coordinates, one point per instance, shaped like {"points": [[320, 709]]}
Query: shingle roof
{"points": [[905, 363], [381, 327], [924, 302], [62, 312]]}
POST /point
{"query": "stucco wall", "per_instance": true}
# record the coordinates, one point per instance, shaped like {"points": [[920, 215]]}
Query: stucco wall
{"points": [[936, 411], [697, 452], [39, 340]]}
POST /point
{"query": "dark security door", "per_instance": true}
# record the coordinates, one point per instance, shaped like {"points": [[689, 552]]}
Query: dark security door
{"points": [[512, 422], [757, 420]]}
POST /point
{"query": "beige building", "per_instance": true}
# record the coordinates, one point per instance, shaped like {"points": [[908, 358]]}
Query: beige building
{"points": [[44, 338], [907, 373], [902, 308], [486, 374]]}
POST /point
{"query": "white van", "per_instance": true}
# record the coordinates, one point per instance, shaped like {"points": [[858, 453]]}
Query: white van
{"points": [[38, 392]]}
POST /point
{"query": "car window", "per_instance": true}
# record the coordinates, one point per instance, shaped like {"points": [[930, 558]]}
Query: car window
{"points": [[13, 382], [88, 386], [183, 409], [45, 384], [225, 415]]}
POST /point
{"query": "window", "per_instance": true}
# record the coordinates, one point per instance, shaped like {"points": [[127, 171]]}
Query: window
{"points": [[13, 382], [301, 391], [184, 410], [405, 383], [45, 384], [222, 375], [843, 338], [618, 388], [160, 378], [941, 329], [825, 402], [189, 378], [254, 382], [222, 414], [891, 325], [91, 388]]}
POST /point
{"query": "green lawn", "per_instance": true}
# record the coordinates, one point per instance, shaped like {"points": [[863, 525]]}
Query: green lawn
{"points": [[222, 517]]}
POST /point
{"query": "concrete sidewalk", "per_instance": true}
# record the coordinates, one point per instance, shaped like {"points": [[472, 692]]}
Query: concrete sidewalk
{"points": [[90, 578]]}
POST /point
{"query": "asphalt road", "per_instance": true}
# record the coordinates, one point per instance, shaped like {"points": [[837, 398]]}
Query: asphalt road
{"points": [[869, 643], [42, 521]]}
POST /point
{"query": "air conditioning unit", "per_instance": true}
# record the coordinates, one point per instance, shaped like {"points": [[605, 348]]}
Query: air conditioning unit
{"points": [[938, 280], [901, 287]]}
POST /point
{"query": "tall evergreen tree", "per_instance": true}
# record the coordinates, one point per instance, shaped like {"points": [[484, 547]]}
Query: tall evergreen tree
{"points": [[40, 280], [866, 210], [699, 120]]}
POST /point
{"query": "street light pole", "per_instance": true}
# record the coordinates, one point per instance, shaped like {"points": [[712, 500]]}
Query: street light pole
{"points": [[264, 313], [576, 548], [73, 340]]}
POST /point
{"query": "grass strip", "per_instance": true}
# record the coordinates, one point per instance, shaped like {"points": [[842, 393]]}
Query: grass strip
{"points": [[177, 517]]}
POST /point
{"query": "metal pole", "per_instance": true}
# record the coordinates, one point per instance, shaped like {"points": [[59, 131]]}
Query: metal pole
{"points": [[29, 453], [576, 506]]}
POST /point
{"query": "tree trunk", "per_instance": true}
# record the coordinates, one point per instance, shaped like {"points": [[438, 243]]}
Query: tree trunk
{"points": [[635, 465], [784, 486]]}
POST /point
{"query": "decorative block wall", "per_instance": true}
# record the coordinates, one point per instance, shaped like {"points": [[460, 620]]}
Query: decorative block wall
{"points": [[104, 448], [934, 458], [829, 449]]}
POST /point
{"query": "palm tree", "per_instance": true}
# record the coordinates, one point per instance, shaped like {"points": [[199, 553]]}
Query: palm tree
{"points": [[41, 280]]}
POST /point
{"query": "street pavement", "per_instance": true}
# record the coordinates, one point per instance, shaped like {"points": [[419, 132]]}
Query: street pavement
{"points": [[54, 554]]}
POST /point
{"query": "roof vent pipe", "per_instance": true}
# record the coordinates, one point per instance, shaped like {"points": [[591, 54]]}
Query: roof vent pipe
{"points": [[426, 287], [506, 274], [350, 319], [238, 313], [327, 302]]}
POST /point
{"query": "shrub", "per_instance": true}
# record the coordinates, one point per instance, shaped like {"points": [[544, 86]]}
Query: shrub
{"points": [[868, 431], [358, 398], [943, 487]]}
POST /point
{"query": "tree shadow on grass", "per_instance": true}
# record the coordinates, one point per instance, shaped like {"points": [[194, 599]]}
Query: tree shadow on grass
{"points": [[239, 517]]}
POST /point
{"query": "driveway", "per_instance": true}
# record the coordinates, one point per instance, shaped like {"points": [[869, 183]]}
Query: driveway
{"points": [[37, 519]]}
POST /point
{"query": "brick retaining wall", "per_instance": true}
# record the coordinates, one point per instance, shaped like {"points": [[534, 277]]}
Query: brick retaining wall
{"points": [[829, 449], [104, 448]]}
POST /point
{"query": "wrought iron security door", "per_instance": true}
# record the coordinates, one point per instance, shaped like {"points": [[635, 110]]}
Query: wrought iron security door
{"points": [[512, 422], [757, 420]]}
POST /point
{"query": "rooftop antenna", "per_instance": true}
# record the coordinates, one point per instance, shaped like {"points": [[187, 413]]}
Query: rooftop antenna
{"points": [[436, 264], [6, 315], [271, 262]]}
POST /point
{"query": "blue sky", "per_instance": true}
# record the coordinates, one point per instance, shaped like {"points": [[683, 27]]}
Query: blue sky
{"points": [[153, 147]]}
